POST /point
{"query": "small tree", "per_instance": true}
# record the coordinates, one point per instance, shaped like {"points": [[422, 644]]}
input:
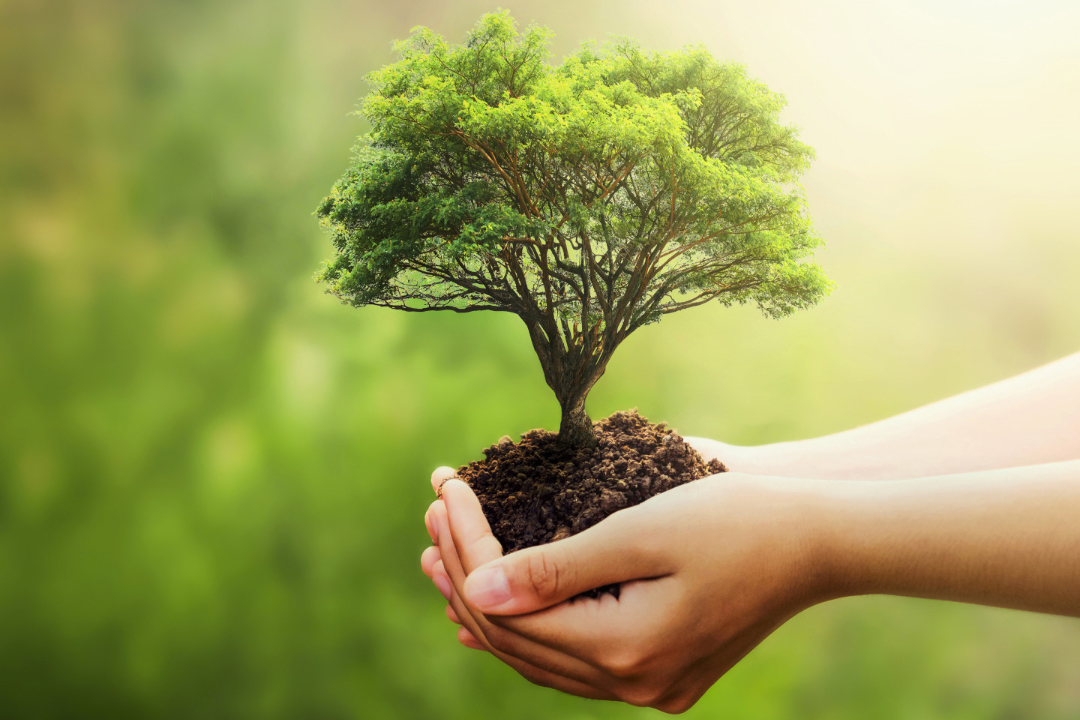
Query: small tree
{"points": [[589, 199]]}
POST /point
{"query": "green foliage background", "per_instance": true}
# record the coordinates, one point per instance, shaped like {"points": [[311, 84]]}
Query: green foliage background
{"points": [[212, 476]]}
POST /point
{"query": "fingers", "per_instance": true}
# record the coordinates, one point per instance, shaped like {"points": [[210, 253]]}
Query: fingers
{"points": [[432, 529], [472, 535], [708, 449], [432, 563], [613, 551], [441, 475], [615, 635], [518, 652], [591, 648], [466, 638], [531, 673], [544, 576], [442, 581], [428, 558]]}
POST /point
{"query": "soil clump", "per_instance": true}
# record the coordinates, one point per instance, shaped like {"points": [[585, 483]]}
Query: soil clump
{"points": [[537, 491]]}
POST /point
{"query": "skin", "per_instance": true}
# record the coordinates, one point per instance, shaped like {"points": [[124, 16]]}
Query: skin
{"points": [[977, 500], [1029, 419]]}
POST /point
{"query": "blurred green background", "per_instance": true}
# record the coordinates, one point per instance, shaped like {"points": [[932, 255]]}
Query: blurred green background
{"points": [[212, 476]]}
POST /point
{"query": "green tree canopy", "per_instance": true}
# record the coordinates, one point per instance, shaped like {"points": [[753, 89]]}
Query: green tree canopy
{"points": [[588, 198]]}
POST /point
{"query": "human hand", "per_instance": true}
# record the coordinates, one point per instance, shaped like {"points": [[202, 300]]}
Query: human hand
{"points": [[707, 571], [779, 459], [710, 568], [752, 459], [745, 459], [535, 669]]}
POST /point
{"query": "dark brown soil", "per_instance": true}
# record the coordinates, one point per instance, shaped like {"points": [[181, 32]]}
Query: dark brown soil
{"points": [[537, 491]]}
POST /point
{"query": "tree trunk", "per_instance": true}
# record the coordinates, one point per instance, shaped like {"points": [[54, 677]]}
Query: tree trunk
{"points": [[570, 376], [576, 429]]}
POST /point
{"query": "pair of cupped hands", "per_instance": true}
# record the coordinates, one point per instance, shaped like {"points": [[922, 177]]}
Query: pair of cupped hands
{"points": [[974, 499], [706, 571]]}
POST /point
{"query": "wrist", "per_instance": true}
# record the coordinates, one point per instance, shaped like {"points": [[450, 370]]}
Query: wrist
{"points": [[806, 516], [836, 516], [867, 536]]}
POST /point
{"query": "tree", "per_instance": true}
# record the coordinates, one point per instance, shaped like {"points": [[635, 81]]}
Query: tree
{"points": [[589, 198]]}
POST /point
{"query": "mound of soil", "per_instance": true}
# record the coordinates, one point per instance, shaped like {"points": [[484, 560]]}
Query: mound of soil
{"points": [[537, 491]]}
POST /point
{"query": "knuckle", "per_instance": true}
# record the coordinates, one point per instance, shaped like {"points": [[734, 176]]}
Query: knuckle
{"points": [[543, 575], [641, 549], [677, 705], [624, 663], [640, 695]]}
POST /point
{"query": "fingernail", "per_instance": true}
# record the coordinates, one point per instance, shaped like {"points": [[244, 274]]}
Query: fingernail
{"points": [[443, 583], [432, 528], [488, 588]]}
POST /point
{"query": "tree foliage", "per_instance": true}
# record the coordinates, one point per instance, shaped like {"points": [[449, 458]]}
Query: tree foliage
{"points": [[589, 198]]}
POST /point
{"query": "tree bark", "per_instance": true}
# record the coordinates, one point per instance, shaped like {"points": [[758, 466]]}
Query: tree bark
{"points": [[570, 376], [576, 428]]}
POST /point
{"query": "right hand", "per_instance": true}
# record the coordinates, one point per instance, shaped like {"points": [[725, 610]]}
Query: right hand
{"points": [[707, 570]]}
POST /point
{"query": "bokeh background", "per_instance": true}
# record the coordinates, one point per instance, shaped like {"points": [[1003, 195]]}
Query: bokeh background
{"points": [[213, 475]]}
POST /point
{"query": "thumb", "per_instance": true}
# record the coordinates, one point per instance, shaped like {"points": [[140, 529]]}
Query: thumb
{"points": [[532, 579]]}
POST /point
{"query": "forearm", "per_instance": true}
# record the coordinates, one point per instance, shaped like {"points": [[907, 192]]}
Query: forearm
{"points": [[1008, 538], [1030, 419]]}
